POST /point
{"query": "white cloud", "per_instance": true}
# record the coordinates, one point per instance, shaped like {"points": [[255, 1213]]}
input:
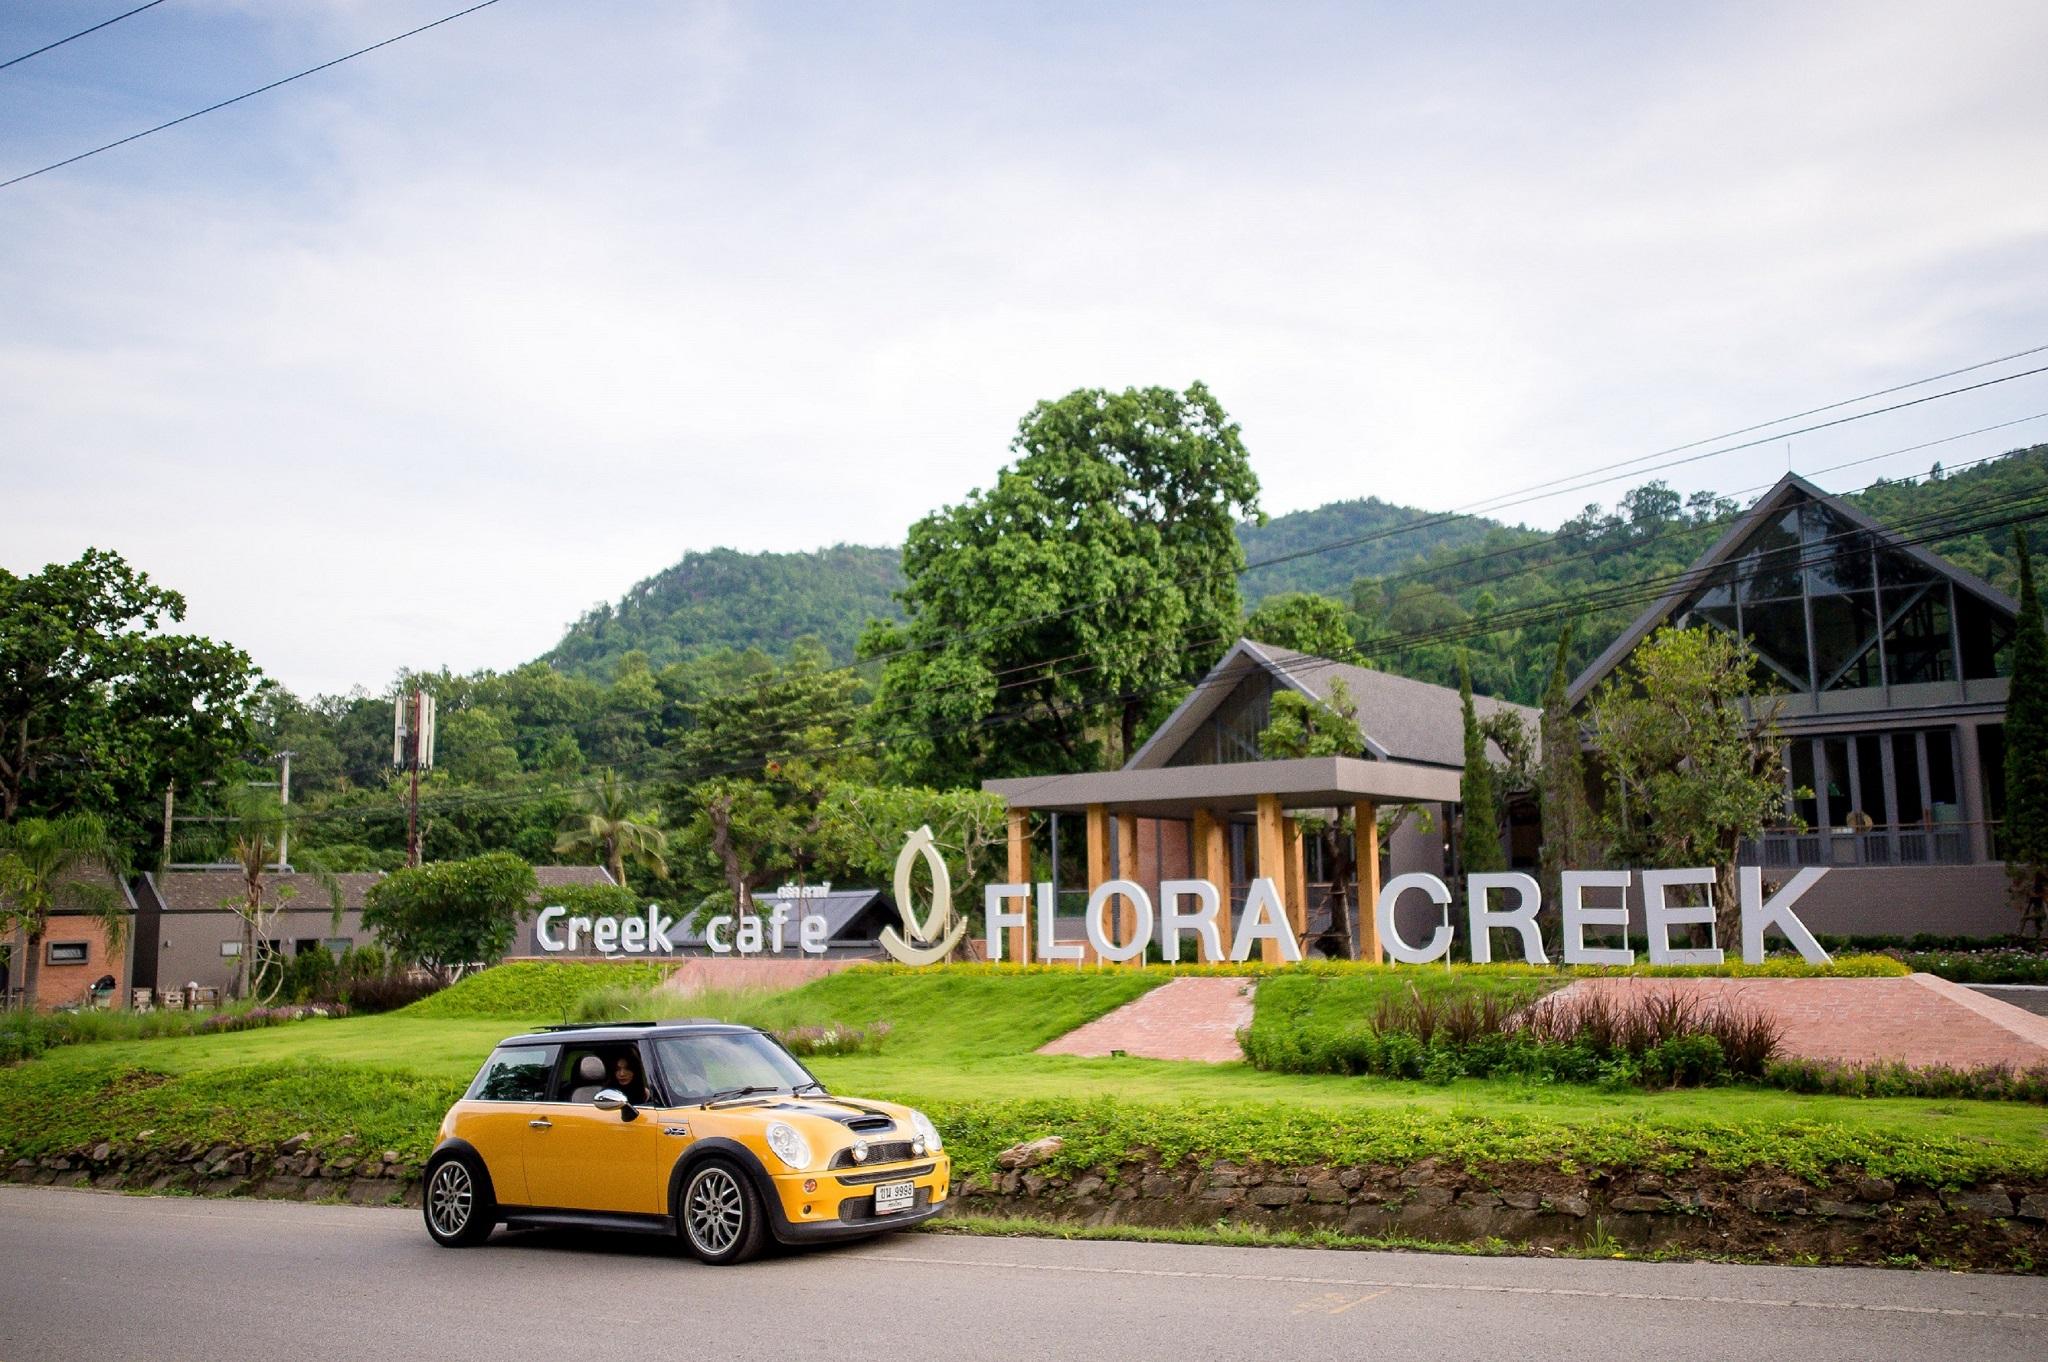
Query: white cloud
{"points": [[411, 362]]}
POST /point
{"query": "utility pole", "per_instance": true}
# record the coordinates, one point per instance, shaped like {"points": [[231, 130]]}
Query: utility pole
{"points": [[412, 748], [284, 800]]}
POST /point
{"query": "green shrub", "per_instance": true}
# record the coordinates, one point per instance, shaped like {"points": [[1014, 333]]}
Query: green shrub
{"points": [[1982, 967], [1994, 1081]]}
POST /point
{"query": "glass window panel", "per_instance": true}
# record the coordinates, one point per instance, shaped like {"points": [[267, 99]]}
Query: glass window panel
{"points": [[1987, 638], [1839, 564], [1941, 775], [1720, 615], [517, 1073], [1802, 779], [1991, 752], [1870, 776], [1898, 569], [1777, 631], [1770, 566], [1918, 645], [1845, 640], [1835, 790], [1906, 775]]}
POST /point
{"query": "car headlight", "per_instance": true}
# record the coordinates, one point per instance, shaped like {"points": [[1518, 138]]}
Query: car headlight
{"points": [[922, 1124], [789, 1146]]}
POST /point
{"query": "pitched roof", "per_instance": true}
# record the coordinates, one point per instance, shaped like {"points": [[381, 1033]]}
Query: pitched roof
{"points": [[841, 909], [1786, 489], [1402, 719], [216, 886]]}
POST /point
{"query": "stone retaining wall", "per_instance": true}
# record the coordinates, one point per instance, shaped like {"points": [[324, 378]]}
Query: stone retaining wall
{"points": [[2000, 1227], [1997, 1227], [289, 1170]]}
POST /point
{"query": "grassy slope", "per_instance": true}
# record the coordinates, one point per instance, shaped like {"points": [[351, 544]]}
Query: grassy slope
{"points": [[962, 1045]]}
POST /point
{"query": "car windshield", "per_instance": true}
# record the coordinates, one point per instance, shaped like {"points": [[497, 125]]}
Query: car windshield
{"points": [[701, 1066]]}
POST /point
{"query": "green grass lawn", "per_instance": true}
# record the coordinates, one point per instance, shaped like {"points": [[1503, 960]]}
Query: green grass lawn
{"points": [[961, 1045]]}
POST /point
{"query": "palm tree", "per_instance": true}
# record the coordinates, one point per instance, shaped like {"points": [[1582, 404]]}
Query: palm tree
{"points": [[606, 825], [44, 865], [258, 824]]}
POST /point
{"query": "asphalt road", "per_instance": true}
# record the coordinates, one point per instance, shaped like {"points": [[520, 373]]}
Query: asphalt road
{"points": [[99, 1276]]}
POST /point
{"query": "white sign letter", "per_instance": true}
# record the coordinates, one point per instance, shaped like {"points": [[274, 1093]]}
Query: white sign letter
{"points": [[1578, 916], [540, 929], [1172, 921], [1263, 919], [1141, 912], [1521, 917], [997, 919], [604, 934], [1660, 917], [1390, 935], [1758, 916], [1050, 947], [811, 934], [714, 935]]}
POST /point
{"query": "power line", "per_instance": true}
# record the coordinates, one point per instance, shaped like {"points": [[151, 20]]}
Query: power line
{"points": [[1930, 528], [80, 34], [1431, 521], [250, 94]]}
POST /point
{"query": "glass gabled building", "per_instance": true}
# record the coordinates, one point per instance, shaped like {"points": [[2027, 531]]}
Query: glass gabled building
{"points": [[1891, 666]]}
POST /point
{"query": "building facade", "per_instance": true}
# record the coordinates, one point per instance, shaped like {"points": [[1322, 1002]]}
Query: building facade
{"points": [[1890, 667]]}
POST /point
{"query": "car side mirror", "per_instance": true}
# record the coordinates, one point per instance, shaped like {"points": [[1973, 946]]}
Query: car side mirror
{"points": [[611, 1099]]}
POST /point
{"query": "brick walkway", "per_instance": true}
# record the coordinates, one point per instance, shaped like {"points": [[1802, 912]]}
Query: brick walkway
{"points": [[1920, 1020], [1181, 1019]]}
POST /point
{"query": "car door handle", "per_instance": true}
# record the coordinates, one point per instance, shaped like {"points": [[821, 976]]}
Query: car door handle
{"points": [[542, 1124]]}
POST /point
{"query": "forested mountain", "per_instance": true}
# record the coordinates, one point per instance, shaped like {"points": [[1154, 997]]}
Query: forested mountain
{"points": [[1331, 573], [723, 598]]}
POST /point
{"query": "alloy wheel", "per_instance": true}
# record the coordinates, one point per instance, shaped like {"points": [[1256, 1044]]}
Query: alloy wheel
{"points": [[451, 1199], [715, 1211]]}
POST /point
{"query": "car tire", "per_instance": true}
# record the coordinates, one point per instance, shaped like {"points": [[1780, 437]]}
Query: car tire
{"points": [[456, 1200], [719, 1214]]}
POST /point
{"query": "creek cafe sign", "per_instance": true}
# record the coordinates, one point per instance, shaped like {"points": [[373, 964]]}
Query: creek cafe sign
{"points": [[1507, 901]]}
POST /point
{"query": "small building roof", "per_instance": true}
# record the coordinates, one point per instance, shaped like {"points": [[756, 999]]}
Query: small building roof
{"points": [[213, 887], [842, 910], [1402, 719]]}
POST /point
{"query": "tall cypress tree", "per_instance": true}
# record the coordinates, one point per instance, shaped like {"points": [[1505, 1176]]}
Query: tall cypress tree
{"points": [[1561, 780], [2024, 839], [1479, 833]]}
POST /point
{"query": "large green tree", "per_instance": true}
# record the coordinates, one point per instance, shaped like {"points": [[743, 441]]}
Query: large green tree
{"points": [[1073, 597], [609, 825], [1478, 794], [751, 773], [1569, 838], [2023, 841], [51, 863], [1692, 755], [447, 914], [100, 708], [1305, 623]]}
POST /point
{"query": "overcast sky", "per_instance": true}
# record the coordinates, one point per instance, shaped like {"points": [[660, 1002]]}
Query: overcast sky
{"points": [[410, 362]]}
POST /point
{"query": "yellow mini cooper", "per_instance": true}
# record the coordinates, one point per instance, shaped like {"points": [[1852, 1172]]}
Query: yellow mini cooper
{"points": [[701, 1128]]}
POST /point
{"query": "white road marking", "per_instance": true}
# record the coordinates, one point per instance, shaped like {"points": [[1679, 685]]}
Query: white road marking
{"points": [[1479, 1288]]}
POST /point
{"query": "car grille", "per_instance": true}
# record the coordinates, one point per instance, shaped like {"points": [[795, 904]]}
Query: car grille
{"points": [[916, 1170], [879, 1151]]}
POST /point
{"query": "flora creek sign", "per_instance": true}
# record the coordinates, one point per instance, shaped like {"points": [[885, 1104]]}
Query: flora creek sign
{"points": [[1505, 901]]}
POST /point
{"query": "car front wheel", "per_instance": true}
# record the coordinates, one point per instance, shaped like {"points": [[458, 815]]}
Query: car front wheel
{"points": [[720, 1213], [456, 1201]]}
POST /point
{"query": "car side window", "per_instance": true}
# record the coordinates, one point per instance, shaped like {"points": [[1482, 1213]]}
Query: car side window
{"points": [[515, 1073]]}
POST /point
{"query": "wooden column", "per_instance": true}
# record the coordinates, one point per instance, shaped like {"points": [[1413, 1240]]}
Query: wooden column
{"points": [[1212, 863], [1018, 945], [1297, 879], [1127, 869], [1272, 842], [1368, 881], [1098, 849]]}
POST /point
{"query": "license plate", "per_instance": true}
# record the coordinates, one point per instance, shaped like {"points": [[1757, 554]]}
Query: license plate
{"points": [[892, 1197]]}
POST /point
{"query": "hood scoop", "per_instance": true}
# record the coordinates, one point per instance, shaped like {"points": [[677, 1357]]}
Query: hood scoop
{"points": [[853, 1117]]}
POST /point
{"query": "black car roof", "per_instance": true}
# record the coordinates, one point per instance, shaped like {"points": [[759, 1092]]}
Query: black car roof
{"points": [[621, 1031]]}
